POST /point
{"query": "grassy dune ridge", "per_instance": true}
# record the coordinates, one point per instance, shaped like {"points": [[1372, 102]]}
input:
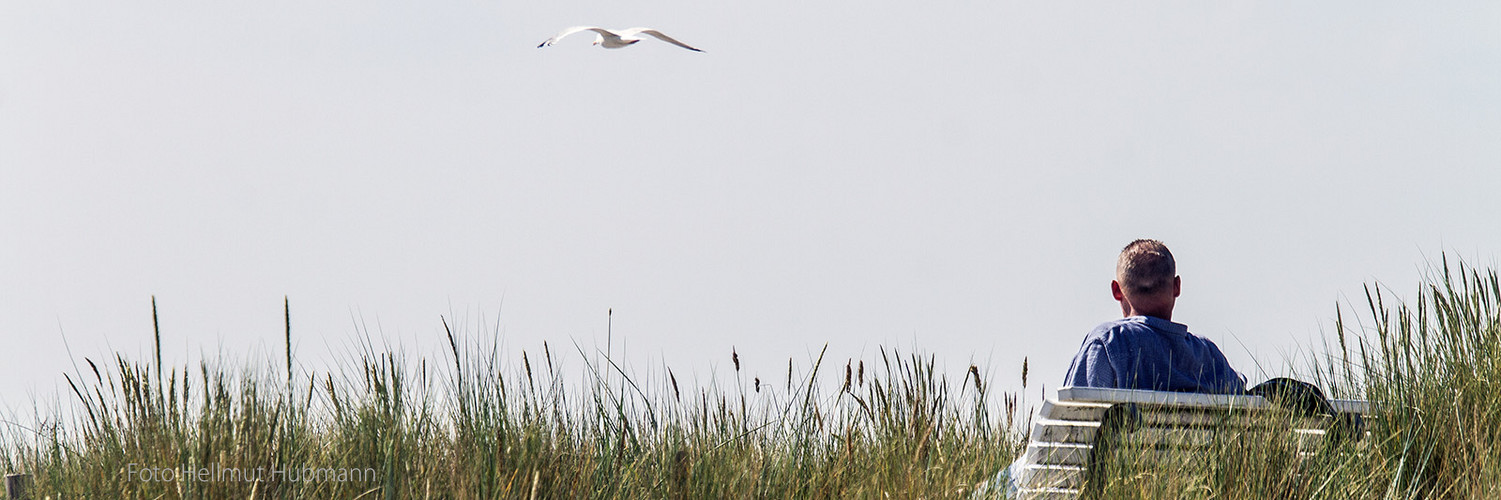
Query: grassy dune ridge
{"points": [[474, 424], [479, 423]]}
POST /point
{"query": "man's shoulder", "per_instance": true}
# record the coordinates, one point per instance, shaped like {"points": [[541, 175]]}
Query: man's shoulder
{"points": [[1115, 330], [1131, 323]]}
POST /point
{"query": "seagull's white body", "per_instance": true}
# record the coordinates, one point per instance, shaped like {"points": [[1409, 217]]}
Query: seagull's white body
{"points": [[615, 39]]}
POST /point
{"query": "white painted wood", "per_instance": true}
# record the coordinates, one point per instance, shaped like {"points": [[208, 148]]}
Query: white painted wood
{"points": [[1064, 431], [1072, 410], [1352, 406], [1057, 476], [1178, 399], [1058, 454], [1062, 438]]}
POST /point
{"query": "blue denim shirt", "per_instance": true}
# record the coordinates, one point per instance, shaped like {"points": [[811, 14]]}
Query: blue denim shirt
{"points": [[1144, 352]]}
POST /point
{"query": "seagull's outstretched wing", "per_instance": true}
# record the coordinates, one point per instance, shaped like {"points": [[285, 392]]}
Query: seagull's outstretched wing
{"points": [[567, 32], [659, 35]]}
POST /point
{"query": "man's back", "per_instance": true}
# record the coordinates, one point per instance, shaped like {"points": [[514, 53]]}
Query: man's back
{"points": [[1145, 352]]}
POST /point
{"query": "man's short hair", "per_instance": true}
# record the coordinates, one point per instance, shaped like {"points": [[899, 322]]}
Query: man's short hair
{"points": [[1145, 267]]}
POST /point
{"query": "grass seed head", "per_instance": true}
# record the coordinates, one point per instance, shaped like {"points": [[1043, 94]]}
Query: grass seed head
{"points": [[1024, 372], [676, 396], [528, 365], [789, 374]]}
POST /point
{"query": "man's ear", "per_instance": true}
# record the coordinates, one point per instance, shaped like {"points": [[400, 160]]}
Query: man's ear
{"points": [[1177, 286], [1115, 290]]}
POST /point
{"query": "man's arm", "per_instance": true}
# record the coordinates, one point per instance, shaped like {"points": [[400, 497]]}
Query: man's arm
{"points": [[1231, 381]]}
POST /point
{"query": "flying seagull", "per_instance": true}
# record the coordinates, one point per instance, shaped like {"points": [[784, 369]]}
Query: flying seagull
{"points": [[611, 39]]}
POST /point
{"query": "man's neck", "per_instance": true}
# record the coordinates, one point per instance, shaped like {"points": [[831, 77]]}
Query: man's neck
{"points": [[1167, 314]]}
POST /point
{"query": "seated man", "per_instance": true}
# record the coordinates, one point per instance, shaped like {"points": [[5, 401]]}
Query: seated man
{"points": [[1145, 349]]}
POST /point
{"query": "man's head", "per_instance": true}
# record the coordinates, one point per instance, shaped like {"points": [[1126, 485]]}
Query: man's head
{"points": [[1146, 280]]}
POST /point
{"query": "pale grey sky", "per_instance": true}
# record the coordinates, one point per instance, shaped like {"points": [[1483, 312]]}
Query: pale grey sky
{"points": [[954, 176]]}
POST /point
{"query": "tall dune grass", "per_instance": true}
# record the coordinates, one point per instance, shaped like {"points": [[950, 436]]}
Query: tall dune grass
{"points": [[1432, 369], [477, 422]]}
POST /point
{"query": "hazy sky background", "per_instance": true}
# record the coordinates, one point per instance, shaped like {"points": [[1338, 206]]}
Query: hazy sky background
{"points": [[952, 176]]}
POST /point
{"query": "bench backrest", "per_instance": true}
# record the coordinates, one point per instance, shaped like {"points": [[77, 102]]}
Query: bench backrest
{"points": [[1071, 427]]}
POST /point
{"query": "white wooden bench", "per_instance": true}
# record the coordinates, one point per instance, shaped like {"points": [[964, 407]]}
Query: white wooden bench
{"points": [[1069, 427]]}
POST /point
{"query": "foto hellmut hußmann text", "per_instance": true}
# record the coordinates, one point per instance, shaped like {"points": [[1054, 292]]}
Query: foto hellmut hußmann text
{"points": [[213, 473]]}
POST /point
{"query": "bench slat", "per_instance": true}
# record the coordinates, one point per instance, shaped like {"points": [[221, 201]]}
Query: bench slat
{"points": [[1352, 406], [1190, 437], [1054, 476], [1058, 454], [1159, 416], [1063, 431], [1179, 399], [1071, 410], [1081, 410]]}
